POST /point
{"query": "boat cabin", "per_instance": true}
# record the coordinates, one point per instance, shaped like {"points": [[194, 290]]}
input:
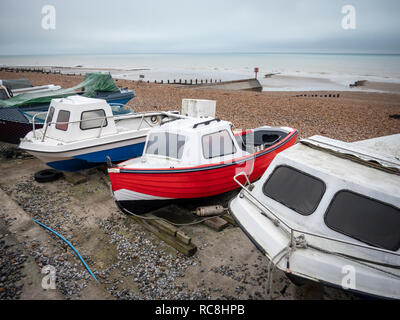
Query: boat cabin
{"points": [[195, 141], [77, 118], [316, 187]]}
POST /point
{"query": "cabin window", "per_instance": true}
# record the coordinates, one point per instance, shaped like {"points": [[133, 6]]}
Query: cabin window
{"points": [[166, 144], [218, 144], [50, 115], [296, 190], [62, 120], [93, 119], [365, 219]]}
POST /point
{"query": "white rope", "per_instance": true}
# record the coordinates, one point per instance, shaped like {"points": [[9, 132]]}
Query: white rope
{"points": [[298, 242]]}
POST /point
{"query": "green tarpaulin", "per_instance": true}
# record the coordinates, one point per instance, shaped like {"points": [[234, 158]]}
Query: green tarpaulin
{"points": [[91, 83]]}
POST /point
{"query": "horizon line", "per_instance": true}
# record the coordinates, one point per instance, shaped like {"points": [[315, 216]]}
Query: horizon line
{"points": [[205, 52]]}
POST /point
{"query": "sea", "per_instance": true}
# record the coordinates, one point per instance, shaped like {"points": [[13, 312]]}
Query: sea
{"points": [[277, 71]]}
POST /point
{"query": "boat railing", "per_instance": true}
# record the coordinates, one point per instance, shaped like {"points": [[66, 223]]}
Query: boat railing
{"points": [[291, 232], [142, 117]]}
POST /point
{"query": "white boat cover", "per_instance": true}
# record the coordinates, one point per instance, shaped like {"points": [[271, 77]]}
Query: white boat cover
{"points": [[381, 153]]}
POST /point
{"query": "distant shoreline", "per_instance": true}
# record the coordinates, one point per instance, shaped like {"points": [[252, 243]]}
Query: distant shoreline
{"points": [[271, 82]]}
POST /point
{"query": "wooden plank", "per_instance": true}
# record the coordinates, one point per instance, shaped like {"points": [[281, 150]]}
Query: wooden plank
{"points": [[187, 249], [216, 223], [183, 237], [164, 226]]}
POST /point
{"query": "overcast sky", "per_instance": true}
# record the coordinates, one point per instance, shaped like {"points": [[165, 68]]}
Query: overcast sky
{"points": [[124, 26]]}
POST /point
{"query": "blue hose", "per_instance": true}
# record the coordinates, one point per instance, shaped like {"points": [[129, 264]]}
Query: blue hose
{"points": [[72, 247]]}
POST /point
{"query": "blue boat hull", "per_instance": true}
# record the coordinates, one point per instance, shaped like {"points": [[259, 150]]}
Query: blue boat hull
{"points": [[89, 160]]}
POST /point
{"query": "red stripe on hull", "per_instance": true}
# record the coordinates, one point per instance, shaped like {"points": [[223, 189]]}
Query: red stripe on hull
{"points": [[194, 184]]}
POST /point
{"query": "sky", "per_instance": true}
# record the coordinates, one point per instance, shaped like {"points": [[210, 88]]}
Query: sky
{"points": [[129, 26]]}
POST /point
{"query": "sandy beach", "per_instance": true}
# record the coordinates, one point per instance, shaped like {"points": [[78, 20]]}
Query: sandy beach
{"points": [[132, 263]]}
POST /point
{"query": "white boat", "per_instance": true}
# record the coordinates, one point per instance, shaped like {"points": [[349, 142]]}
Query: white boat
{"points": [[80, 132], [329, 211]]}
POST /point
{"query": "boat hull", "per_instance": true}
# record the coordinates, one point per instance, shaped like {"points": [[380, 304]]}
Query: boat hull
{"points": [[310, 264], [85, 158], [142, 188]]}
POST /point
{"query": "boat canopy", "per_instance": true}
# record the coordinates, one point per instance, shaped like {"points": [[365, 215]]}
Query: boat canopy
{"points": [[91, 83]]}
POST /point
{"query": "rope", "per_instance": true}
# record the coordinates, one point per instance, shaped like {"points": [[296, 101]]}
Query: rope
{"points": [[298, 242]]}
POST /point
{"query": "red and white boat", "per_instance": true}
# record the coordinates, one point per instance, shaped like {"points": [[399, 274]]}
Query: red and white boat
{"points": [[191, 158]]}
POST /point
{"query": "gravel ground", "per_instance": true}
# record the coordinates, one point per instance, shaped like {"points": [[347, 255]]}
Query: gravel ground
{"points": [[11, 263], [45, 207]]}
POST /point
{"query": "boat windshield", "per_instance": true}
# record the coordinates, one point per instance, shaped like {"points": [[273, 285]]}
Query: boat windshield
{"points": [[166, 144]]}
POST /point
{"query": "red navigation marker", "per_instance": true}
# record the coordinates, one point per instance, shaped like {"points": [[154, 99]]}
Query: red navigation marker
{"points": [[256, 71]]}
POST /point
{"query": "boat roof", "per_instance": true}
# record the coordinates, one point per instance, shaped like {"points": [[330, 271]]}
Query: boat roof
{"points": [[78, 100], [345, 169], [188, 125], [386, 145], [382, 152], [78, 104]]}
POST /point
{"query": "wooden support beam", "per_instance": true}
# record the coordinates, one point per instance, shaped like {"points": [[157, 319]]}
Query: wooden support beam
{"points": [[216, 223], [169, 234]]}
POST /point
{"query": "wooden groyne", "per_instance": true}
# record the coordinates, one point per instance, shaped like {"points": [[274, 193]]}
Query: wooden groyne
{"points": [[40, 70], [244, 84], [192, 82]]}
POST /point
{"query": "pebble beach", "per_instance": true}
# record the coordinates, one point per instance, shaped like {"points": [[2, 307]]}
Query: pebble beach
{"points": [[353, 116]]}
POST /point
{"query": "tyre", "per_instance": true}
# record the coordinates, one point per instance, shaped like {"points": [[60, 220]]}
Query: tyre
{"points": [[47, 175]]}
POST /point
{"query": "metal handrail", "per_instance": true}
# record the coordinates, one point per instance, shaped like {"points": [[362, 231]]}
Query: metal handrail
{"points": [[33, 122], [121, 117], [279, 222]]}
